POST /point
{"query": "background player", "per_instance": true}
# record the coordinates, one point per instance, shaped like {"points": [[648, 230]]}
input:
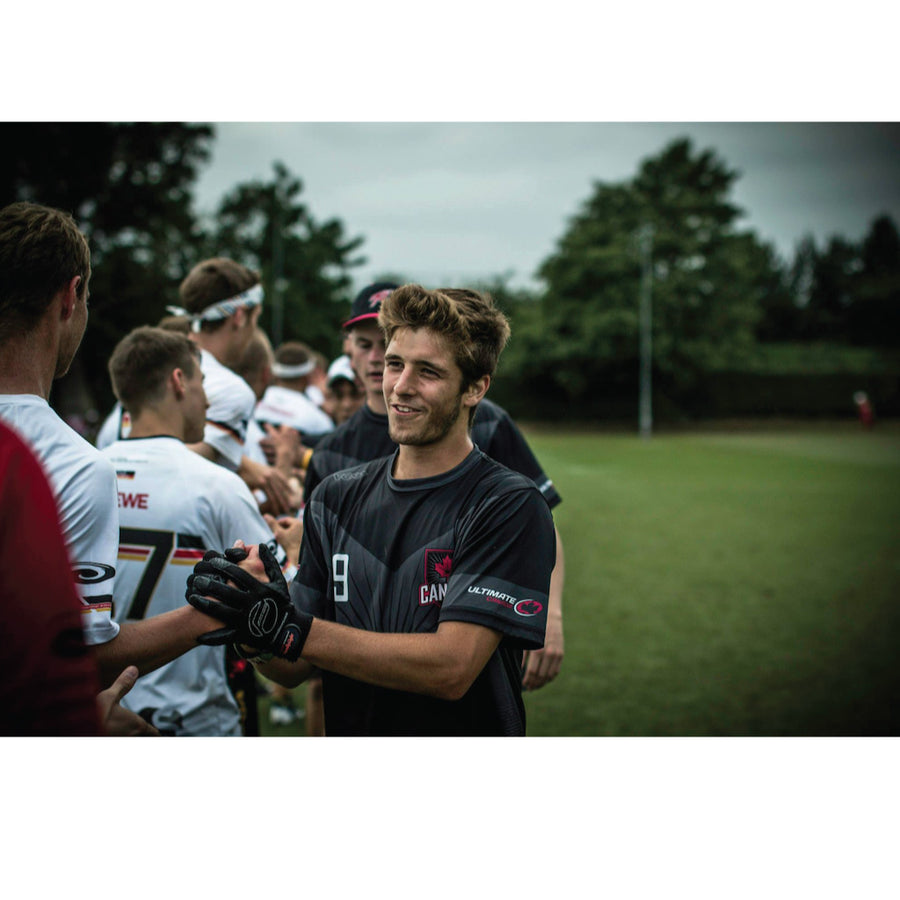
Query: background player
{"points": [[174, 505], [344, 394], [224, 299], [118, 423], [285, 401]]}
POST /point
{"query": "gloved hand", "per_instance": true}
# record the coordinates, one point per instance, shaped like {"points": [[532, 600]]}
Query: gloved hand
{"points": [[255, 613]]}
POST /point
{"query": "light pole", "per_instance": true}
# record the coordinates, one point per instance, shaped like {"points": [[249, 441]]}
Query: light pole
{"points": [[645, 404]]}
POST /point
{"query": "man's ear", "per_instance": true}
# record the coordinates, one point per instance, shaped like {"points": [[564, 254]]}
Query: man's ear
{"points": [[70, 297], [475, 392], [177, 380]]}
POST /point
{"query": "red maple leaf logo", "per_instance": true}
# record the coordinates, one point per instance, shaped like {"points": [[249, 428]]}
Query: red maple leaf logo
{"points": [[529, 608], [443, 567]]}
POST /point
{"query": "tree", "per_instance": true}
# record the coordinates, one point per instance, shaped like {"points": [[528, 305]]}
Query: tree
{"points": [[875, 313], [848, 293], [709, 279], [834, 274], [129, 187], [786, 310], [304, 263]]}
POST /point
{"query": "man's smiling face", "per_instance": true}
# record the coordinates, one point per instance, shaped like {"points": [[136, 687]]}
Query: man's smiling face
{"points": [[422, 388]]}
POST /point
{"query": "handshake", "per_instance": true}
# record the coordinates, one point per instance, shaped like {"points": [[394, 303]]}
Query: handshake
{"points": [[254, 613]]}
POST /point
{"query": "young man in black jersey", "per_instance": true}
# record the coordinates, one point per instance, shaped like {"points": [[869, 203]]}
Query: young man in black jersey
{"points": [[423, 575], [365, 437]]}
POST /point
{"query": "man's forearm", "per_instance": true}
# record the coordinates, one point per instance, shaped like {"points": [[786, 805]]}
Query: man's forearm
{"points": [[557, 582], [152, 643], [440, 664]]}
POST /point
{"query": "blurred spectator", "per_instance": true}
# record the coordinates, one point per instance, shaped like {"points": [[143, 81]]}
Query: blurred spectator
{"points": [[344, 393], [865, 409]]}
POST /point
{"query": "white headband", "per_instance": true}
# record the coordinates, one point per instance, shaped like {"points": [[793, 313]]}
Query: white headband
{"points": [[223, 309], [282, 371]]}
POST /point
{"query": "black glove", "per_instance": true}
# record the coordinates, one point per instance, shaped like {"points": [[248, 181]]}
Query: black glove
{"points": [[255, 613]]}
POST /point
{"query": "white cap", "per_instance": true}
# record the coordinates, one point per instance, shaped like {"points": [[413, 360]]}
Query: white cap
{"points": [[341, 368]]}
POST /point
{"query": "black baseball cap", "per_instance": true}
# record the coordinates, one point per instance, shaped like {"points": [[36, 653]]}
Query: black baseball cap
{"points": [[368, 302]]}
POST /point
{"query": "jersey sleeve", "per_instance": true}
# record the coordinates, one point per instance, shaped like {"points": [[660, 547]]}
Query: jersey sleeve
{"points": [[501, 568], [507, 445], [89, 509], [226, 424], [252, 448]]}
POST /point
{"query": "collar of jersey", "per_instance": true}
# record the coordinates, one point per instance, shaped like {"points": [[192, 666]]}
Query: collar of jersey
{"points": [[153, 437], [433, 481], [374, 416]]}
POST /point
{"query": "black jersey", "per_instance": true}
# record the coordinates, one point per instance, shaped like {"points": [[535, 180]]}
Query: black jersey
{"points": [[364, 437], [475, 544]]}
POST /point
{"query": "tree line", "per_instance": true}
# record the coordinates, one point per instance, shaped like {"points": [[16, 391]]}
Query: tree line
{"points": [[730, 317], [723, 300]]}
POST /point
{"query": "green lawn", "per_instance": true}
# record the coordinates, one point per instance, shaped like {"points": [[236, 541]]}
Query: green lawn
{"points": [[743, 583], [725, 583]]}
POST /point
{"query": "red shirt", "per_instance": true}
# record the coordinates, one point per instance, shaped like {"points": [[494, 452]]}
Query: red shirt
{"points": [[48, 677]]}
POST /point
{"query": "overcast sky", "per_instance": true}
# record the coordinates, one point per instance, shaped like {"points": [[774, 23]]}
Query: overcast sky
{"points": [[447, 203]]}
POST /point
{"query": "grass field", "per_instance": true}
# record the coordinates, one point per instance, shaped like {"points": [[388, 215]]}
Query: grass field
{"points": [[725, 582]]}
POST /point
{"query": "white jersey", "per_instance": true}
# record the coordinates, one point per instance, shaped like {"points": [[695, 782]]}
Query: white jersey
{"points": [[175, 505], [116, 425], [231, 402], [314, 394], [283, 406], [84, 484], [253, 450]]}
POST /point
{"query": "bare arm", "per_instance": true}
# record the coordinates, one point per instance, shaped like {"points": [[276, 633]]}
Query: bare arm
{"points": [[440, 664], [281, 496], [542, 666], [283, 448], [151, 643]]}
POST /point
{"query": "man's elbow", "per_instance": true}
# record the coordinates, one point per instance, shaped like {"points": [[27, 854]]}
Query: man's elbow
{"points": [[464, 651], [453, 682]]}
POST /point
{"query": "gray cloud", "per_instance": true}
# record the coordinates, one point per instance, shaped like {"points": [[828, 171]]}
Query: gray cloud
{"points": [[444, 202]]}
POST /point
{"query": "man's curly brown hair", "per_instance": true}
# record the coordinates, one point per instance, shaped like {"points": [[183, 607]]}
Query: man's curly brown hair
{"points": [[475, 328]]}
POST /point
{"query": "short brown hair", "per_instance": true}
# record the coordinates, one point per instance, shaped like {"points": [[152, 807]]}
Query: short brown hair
{"points": [[213, 281], [41, 251], [257, 355], [476, 329], [143, 361], [181, 324]]}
